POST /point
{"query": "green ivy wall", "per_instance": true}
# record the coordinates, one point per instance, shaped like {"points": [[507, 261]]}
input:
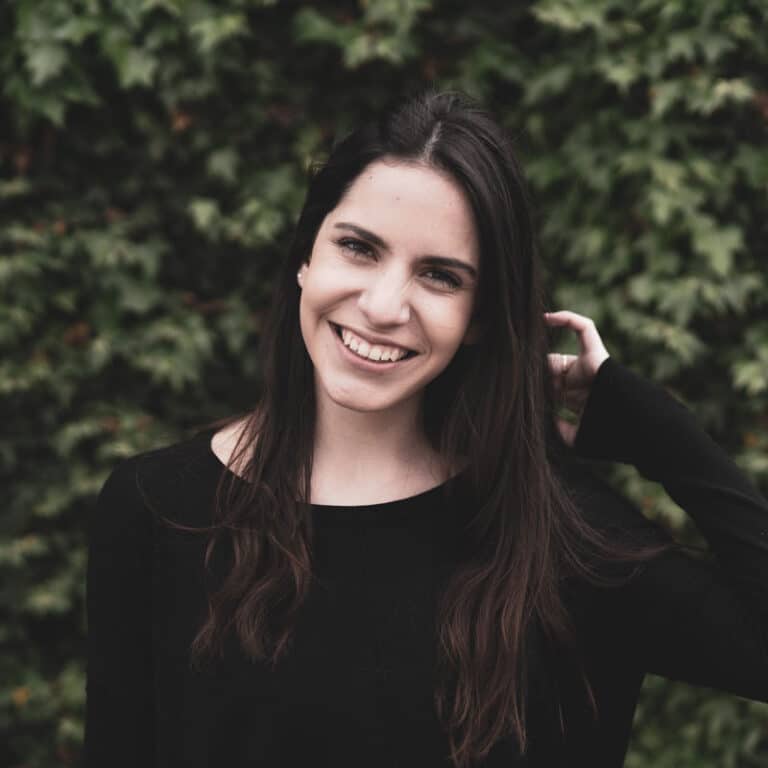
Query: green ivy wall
{"points": [[153, 155]]}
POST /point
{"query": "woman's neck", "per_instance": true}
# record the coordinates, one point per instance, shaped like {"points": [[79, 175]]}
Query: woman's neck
{"points": [[374, 456], [360, 458]]}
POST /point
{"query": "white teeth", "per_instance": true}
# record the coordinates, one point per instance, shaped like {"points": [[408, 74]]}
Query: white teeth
{"points": [[366, 350]]}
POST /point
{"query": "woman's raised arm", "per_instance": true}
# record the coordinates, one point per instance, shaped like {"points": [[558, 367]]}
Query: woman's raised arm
{"points": [[697, 620]]}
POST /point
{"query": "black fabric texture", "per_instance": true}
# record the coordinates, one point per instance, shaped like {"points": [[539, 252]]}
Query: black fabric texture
{"points": [[357, 687]]}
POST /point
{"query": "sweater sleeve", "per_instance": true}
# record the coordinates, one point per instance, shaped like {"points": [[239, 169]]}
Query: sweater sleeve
{"points": [[697, 620], [119, 700]]}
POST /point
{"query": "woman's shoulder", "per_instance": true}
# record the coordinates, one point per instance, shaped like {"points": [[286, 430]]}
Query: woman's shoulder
{"points": [[225, 445], [171, 481]]}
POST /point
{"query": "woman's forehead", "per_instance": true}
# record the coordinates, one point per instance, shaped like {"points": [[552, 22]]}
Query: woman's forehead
{"points": [[407, 204]]}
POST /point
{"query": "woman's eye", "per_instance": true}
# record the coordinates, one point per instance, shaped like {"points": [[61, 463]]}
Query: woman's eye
{"points": [[356, 246], [446, 279]]}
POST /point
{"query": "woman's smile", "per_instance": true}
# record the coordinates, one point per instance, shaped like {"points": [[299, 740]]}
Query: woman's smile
{"points": [[364, 346], [367, 356]]}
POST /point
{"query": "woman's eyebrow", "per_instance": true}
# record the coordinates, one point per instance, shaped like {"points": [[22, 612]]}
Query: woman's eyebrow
{"points": [[374, 239]]}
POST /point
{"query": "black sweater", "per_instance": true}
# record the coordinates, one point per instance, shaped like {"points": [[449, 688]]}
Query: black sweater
{"points": [[356, 688]]}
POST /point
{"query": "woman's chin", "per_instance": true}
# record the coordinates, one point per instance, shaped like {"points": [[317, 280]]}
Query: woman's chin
{"points": [[357, 397]]}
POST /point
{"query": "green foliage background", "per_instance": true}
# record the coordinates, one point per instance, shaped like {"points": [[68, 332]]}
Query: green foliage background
{"points": [[153, 157]]}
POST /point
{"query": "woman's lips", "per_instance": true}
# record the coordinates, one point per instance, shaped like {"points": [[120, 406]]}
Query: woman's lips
{"points": [[373, 343], [364, 362]]}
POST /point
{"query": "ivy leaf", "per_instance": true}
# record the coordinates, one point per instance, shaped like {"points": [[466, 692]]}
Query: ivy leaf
{"points": [[135, 66], [717, 244], [45, 61], [222, 163], [212, 32], [310, 26], [205, 213]]}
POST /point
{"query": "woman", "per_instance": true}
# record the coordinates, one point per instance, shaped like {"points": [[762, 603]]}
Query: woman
{"points": [[401, 556]]}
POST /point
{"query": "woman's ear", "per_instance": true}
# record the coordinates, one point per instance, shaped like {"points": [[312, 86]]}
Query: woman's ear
{"points": [[300, 273]]}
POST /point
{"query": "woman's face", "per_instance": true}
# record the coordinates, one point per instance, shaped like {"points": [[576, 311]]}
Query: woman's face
{"points": [[389, 291]]}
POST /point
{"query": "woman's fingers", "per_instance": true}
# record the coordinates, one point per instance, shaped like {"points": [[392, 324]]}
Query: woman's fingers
{"points": [[567, 431], [583, 326], [593, 351], [559, 364]]}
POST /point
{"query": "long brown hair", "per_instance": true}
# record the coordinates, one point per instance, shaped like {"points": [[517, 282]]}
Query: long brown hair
{"points": [[493, 405]]}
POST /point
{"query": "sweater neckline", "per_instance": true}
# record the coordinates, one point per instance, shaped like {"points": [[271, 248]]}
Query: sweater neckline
{"points": [[395, 508]]}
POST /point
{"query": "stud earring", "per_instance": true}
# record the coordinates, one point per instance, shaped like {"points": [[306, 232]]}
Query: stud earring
{"points": [[298, 277]]}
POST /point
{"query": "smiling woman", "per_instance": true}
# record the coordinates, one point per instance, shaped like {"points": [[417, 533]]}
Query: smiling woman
{"points": [[400, 556], [384, 291]]}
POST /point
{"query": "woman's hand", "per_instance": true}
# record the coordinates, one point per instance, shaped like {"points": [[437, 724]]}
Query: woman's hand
{"points": [[573, 374]]}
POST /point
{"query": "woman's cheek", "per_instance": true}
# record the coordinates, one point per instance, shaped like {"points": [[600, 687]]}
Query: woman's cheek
{"points": [[449, 319]]}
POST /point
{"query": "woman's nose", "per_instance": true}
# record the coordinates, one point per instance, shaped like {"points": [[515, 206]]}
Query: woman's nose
{"points": [[385, 301]]}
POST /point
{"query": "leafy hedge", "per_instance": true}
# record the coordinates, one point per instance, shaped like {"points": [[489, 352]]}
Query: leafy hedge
{"points": [[153, 157]]}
